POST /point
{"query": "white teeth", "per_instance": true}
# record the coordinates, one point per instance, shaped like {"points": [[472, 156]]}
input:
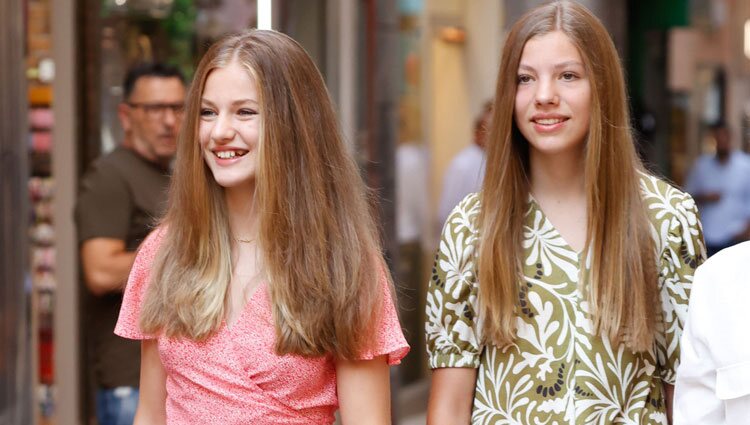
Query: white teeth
{"points": [[549, 121], [226, 154]]}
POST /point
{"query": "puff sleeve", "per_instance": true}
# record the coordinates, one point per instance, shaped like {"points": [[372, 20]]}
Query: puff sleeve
{"points": [[451, 325]]}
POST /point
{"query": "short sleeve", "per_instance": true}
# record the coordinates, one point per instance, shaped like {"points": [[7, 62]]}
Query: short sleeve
{"points": [[135, 291], [103, 206], [683, 251], [389, 338], [451, 326]]}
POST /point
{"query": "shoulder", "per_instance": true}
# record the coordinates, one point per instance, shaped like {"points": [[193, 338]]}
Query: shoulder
{"points": [[720, 292], [468, 156], [461, 224], [152, 243], [702, 163], [663, 201], [118, 156], [108, 168], [410, 155], [743, 158], [704, 159], [468, 207], [727, 267], [144, 260]]}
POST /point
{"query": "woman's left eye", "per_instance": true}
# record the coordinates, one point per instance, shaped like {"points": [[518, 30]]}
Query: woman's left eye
{"points": [[568, 76], [247, 112]]}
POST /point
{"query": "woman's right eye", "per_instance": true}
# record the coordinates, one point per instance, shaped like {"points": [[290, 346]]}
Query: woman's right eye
{"points": [[523, 79], [207, 112]]}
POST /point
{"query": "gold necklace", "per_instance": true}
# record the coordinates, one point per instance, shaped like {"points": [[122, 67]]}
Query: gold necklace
{"points": [[244, 240]]}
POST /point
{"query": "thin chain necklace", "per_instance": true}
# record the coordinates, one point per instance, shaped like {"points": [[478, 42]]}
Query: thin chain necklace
{"points": [[244, 240]]}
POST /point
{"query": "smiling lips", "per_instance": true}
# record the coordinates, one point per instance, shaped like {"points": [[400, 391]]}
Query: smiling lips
{"points": [[229, 154], [548, 124]]}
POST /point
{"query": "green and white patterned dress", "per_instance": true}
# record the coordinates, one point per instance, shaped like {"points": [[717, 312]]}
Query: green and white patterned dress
{"points": [[558, 371]]}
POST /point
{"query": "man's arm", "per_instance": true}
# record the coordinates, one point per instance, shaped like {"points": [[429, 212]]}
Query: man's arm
{"points": [[106, 264]]}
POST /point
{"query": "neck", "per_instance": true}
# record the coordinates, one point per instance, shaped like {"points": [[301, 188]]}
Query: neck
{"points": [[560, 175], [243, 216], [143, 153]]}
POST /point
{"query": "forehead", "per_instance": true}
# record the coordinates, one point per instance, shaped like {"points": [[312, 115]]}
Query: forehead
{"points": [[158, 89], [550, 49], [230, 82]]}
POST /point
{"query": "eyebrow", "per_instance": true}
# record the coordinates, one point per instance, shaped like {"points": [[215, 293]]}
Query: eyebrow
{"points": [[235, 103], [556, 67]]}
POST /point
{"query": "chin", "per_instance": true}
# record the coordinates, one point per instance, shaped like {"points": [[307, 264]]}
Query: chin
{"points": [[229, 182], [554, 146]]}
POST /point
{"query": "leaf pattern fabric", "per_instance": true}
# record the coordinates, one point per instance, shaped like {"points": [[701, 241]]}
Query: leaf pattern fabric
{"points": [[558, 371]]}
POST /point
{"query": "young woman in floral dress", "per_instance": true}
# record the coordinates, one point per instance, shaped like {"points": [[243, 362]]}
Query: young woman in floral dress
{"points": [[560, 290]]}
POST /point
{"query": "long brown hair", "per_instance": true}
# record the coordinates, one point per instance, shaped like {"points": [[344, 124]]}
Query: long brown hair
{"points": [[319, 244], [622, 281]]}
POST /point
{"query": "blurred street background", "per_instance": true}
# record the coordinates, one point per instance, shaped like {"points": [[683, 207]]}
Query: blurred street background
{"points": [[409, 79]]}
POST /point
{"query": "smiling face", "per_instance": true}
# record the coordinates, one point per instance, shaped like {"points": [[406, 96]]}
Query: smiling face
{"points": [[229, 126], [553, 97]]}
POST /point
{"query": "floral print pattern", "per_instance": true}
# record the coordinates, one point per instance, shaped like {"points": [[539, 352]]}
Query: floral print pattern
{"points": [[558, 371]]}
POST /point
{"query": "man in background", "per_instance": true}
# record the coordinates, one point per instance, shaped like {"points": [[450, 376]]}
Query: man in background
{"points": [[465, 173], [720, 185], [120, 198]]}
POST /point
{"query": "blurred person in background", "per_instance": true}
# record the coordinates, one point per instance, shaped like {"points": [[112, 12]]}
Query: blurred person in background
{"points": [[465, 173], [547, 302], [412, 223], [263, 297], [720, 184], [120, 197]]}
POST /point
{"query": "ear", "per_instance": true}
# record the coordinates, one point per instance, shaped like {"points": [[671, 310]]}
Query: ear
{"points": [[123, 112]]}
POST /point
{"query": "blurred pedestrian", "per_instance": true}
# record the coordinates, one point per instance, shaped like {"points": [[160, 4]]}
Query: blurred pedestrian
{"points": [[547, 302], [120, 198], [720, 184], [412, 210], [263, 297], [713, 381], [465, 173]]}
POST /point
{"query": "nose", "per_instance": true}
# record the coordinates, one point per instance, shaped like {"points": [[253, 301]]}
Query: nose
{"points": [[223, 130], [171, 118], [546, 92]]}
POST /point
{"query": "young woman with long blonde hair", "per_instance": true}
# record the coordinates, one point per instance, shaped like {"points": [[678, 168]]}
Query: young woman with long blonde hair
{"points": [[263, 297], [560, 290]]}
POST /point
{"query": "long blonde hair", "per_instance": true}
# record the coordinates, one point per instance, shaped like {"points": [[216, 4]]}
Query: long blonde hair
{"points": [[319, 244], [622, 282]]}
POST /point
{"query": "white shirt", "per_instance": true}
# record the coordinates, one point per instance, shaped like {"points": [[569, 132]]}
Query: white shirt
{"points": [[464, 175], [713, 379], [725, 219], [411, 192]]}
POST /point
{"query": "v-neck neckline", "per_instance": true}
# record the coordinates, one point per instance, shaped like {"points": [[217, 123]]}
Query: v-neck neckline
{"points": [[250, 300], [535, 204]]}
